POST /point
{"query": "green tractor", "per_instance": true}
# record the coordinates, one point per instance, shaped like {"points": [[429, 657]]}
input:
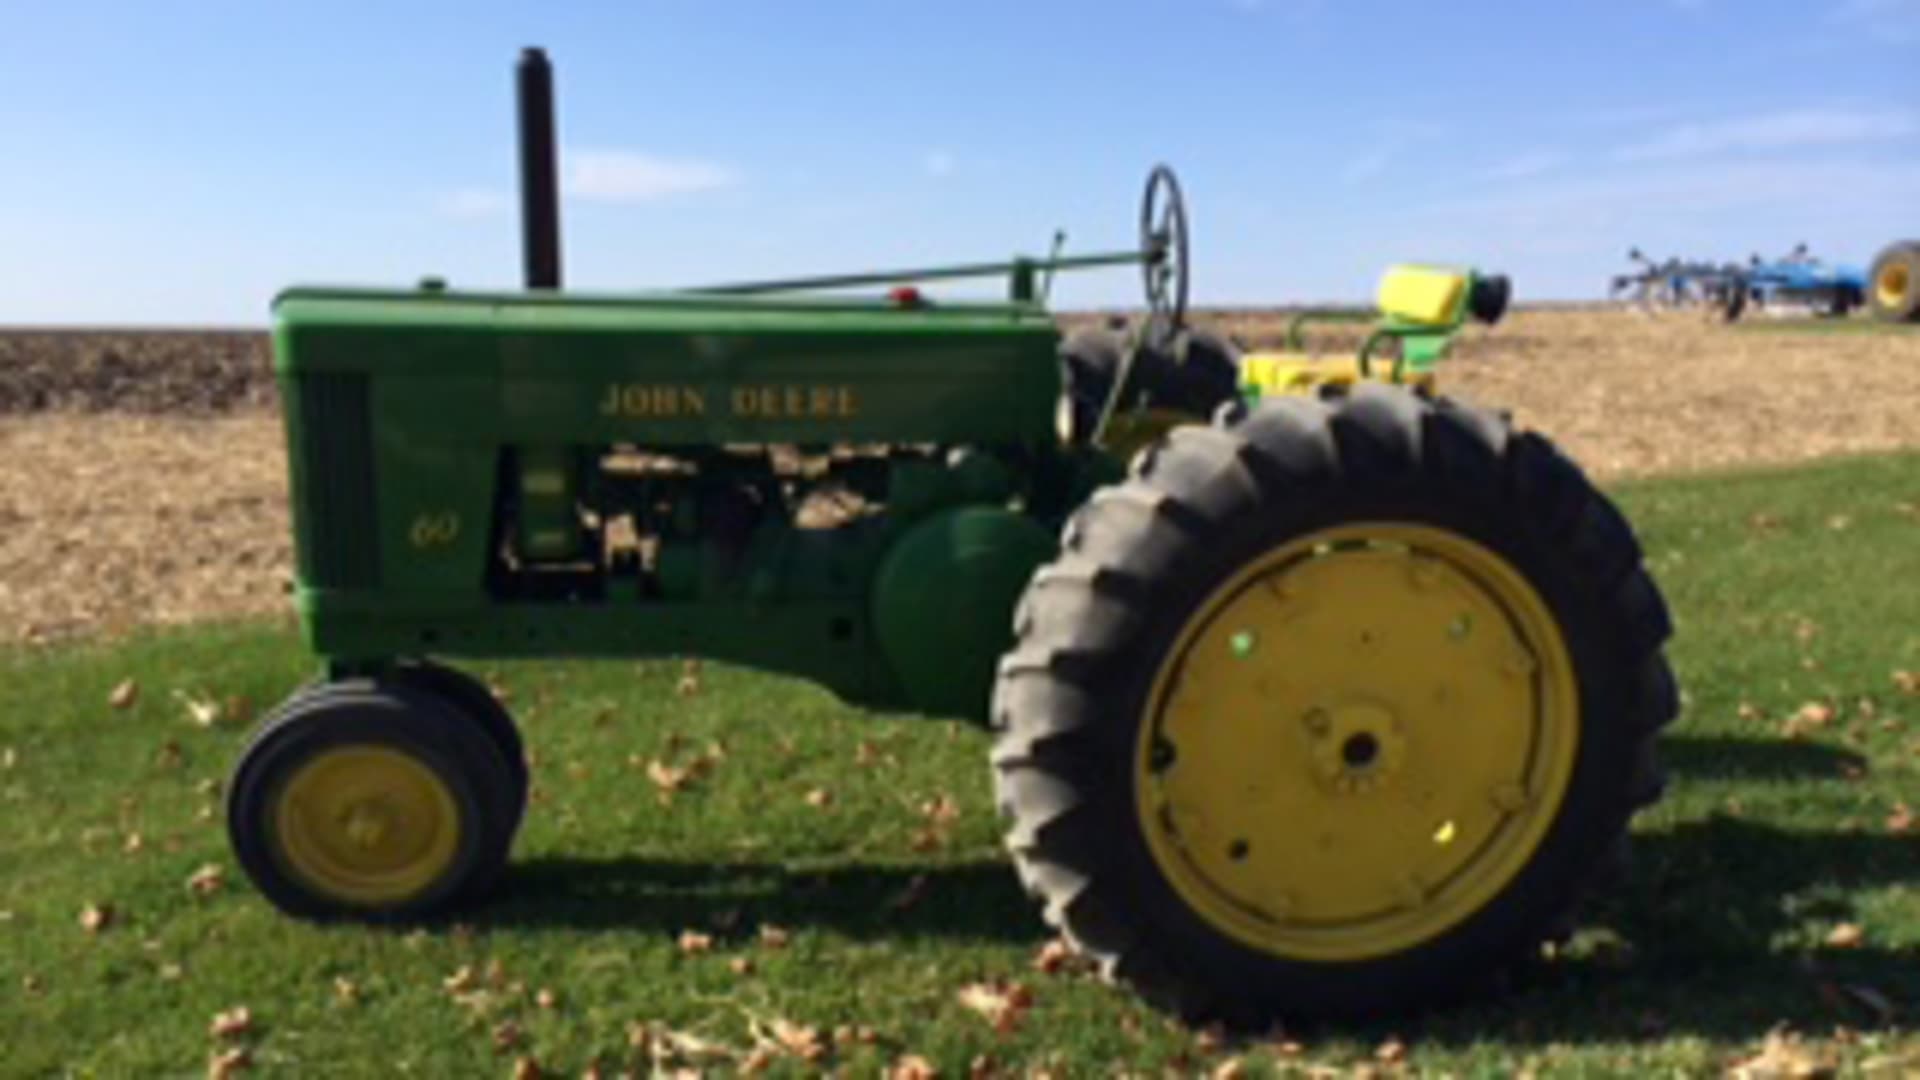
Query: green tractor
{"points": [[1312, 693]]}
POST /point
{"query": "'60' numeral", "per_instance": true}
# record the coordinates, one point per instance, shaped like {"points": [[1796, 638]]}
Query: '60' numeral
{"points": [[434, 530]]}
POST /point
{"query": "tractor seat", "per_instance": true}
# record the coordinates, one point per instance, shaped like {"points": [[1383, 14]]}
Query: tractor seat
{"points": [[1421, 295], [1294, 373]]}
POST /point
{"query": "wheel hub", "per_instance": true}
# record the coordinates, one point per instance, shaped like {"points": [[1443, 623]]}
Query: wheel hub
{"points": [[366, 825], [1356, 747]]}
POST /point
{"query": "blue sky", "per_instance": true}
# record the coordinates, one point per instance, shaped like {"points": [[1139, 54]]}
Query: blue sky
{"points": [[178, 163]]}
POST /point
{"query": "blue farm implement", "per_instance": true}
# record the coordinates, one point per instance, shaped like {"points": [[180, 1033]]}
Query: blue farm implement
{"points": [[1797, 280]]}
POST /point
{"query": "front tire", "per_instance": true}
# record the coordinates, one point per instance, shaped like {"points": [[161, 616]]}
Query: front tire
{"points": [[1234, 730], [370, 800]]}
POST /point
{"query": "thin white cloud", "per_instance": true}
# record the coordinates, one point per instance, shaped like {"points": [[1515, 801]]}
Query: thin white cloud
{"points": [[1523, 165], [1773, 131], [474, 203], [939, 163], [629, 176]]}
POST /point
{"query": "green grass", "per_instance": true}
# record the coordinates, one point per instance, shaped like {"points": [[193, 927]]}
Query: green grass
{"points": [[1788, 587]]}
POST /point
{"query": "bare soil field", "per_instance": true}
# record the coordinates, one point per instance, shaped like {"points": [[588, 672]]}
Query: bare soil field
{"points": [[145, 479]]}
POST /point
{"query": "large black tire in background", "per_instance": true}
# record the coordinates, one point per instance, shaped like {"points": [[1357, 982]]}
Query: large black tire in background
{"points": [[1191, 375], [295, 781], [1094, 629], [1893, 285]]}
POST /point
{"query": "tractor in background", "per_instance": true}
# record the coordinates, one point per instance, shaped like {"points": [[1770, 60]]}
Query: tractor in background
{"points": [[1311, 691]]}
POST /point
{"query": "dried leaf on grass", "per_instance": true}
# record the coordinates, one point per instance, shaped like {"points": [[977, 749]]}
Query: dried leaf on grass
{"points": [[693, 941], [1783, 1056], [227, 1062], [1002, 1003], [235, 1021], [96, 917], [207, 880], [912, 1067], [1846, 935], [1810, 717], [124, 694]]}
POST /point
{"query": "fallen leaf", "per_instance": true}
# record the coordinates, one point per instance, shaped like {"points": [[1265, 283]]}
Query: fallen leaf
{"points": [[345, 991], [133, 844], [1001, 1003], [1234, 1068], [525, 1068], [1907, 682], [668, 778], [1749, 711], [740, 965], [1391, 1052], [1846, 936], [506, 1036], [982, 1067], [204, 712], [461, 980], [866, 754], [693, 941], [757, 1062], [235, 1021], [1780, 1057], [799, 1040], [207, 880], [819, 798], [96, 917], [689, 683], [940, 810], [546, 999], [1810, 717], [912, 1067], [1054, 957], [1900, 820], [227, 1062], [774, 937], [124, 694], [8, 759]]}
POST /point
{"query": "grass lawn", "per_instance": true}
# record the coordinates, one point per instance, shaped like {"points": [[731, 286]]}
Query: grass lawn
{"points": [[837, 887]]}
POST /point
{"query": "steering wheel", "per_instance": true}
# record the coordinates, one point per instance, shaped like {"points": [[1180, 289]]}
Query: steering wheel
{"points": [[1163, 248]]}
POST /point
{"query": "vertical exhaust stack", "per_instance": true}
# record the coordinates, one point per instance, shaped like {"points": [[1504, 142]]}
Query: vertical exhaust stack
{"points": [[539, 168]]}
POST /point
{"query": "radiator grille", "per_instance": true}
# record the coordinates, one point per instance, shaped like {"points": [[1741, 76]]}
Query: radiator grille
{"points": [[336, 500]]}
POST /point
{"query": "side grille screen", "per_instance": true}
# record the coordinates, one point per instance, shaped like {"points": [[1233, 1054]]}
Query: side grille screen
{"points": [[336, 497]]}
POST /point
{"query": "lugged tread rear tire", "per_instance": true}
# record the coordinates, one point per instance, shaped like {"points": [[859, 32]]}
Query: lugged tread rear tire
{"points": [[1139, 558], [1192, 375]]}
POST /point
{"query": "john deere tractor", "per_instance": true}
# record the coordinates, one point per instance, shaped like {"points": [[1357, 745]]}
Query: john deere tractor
{"points": [[1311, 691]]}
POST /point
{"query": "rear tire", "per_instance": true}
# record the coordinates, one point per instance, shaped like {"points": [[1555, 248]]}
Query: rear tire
{"points": [[1893, 285], [1077, 760]]}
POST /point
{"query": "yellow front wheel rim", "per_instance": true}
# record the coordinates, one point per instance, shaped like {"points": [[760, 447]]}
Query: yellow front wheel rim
{"points": [[1892, 285], [367, 825], [1356, 742]]}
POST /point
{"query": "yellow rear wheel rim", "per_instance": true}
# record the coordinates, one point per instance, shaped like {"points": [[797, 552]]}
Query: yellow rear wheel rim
{"points": [[1893, 285], [367, 825], [1356, 742]]}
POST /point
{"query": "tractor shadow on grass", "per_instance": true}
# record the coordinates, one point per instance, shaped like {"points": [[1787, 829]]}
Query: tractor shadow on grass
{"points": [[978, 899], [1720, 932], [1727, 758]]}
